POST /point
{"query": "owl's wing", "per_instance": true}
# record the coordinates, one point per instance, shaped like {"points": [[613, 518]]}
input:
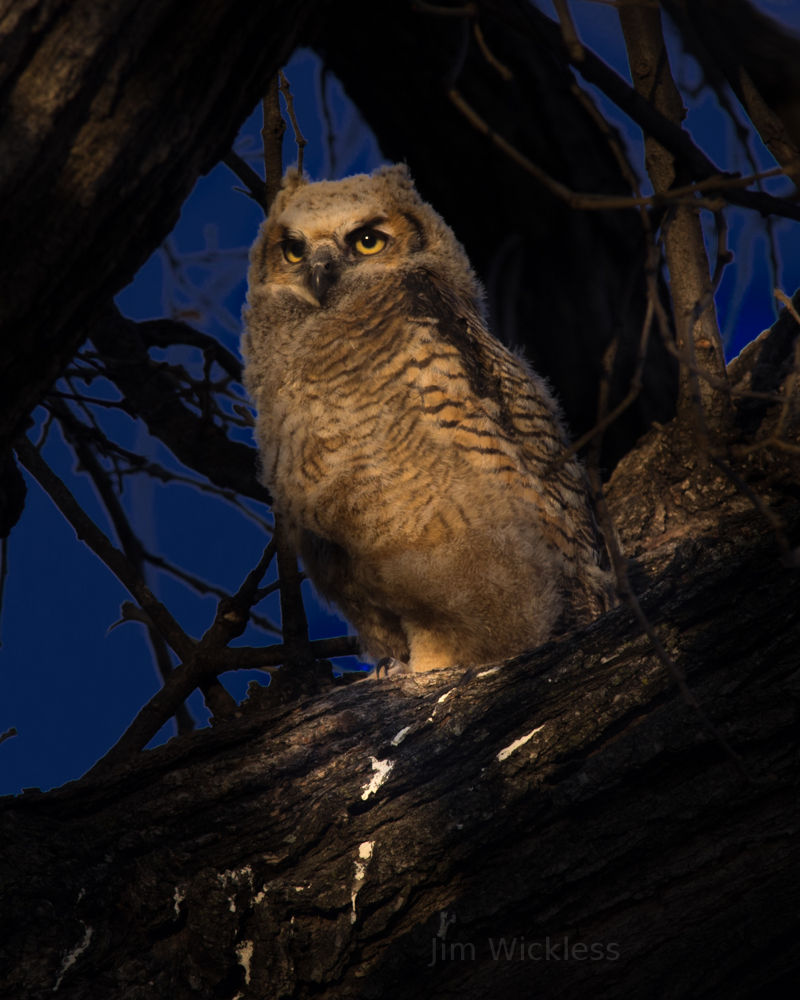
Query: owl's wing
{"points": [[501, 416], [483, 388]]}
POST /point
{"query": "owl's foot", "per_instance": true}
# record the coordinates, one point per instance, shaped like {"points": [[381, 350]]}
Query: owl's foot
{"points": [[390, 666]]}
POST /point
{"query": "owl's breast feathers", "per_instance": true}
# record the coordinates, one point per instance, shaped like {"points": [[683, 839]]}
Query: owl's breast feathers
{"points": [[414, 426], [420, 465]]}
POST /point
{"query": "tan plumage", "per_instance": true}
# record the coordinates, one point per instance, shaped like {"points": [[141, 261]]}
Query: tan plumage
{"points": [[408, 451]]}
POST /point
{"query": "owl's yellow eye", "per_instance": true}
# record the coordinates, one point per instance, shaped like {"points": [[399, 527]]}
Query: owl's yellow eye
{"points": [[294, 250], [367, 241]]}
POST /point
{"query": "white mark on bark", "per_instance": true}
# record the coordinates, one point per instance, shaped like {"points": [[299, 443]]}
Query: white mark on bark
{"points": [[244, 952], [364, 856], [507, 751], [398, 739], [72, 957], [382, 769]]}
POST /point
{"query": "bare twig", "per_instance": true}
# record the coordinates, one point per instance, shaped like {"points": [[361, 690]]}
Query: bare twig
{"points": [[88, 532], [294, 624], [12, 731], [589, 201], [488, 55], [169, 332], [206, 660], [254, 186], [272, 131], [74, 431], [3, 574], [298, 135], [201, 445], [569, 33]]}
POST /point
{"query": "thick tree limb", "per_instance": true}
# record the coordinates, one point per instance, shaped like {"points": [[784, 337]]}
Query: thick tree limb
{"points": [[385, 840], [110, 114]]}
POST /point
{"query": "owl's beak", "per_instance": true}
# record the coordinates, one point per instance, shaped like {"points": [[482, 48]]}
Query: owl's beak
{"points": [[323, 270]]}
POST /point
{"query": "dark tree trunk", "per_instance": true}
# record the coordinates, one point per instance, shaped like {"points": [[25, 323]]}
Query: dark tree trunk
{"points": [[565, 824], [110, 112]]}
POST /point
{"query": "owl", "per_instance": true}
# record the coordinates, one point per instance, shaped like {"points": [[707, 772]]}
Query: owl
{"points": [[412, 457]]}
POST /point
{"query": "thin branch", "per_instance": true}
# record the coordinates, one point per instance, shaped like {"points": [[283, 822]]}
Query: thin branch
{"points": [[488, 55], [76, 434], [695, 318], [272, 131], [88, 532], [300, 141], [589, 201], [254, 186], [211, 657], [169, 332], [204, 587], [12, 731], [569, 33], [3, 574], [200, 445], [653, 123], [294, 624]]}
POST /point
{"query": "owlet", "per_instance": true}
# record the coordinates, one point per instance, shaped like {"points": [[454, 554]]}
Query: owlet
{"points": [[410, 455]]}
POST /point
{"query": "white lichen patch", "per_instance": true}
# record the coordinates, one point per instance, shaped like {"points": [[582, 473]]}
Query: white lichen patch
{"points": [[178, 897], [398, 739], [72, 956], [244, 952], [382, 769], [364, 855], [236, 875], [489, 672], [439, 701], [512, 747]]}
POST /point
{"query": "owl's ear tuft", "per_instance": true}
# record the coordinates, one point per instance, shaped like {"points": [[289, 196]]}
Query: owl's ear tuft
{"points": [[398, 174], [292, 181]]}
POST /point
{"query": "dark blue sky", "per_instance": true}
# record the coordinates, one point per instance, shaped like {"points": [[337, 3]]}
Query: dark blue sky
{"points": [[71, 687]]}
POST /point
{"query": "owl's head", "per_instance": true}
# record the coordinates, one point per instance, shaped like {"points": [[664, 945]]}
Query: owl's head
{"points": [[324, 240]]}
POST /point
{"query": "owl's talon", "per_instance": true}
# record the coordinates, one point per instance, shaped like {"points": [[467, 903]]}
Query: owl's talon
{"points": [[389, 665]]}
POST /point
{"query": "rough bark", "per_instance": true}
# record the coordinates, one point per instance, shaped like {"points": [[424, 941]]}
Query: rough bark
{"points": [[109, 115], [570, 801]]}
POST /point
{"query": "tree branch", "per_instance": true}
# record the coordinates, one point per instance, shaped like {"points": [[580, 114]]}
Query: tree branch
{"points": [[695, 316], [150, 395], [88, 532]]}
